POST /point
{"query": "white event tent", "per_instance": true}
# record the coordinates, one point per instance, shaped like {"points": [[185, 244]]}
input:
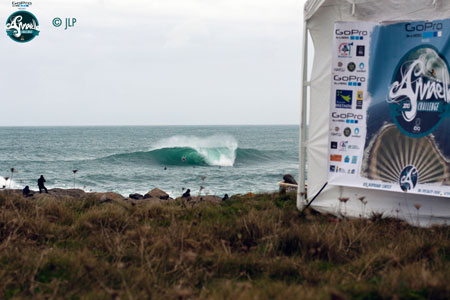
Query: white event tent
{"points": [[320, 17]]}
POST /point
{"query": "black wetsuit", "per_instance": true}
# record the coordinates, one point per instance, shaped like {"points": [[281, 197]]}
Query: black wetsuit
{"points": [[26, 191], [187, 194], [41, 186]]}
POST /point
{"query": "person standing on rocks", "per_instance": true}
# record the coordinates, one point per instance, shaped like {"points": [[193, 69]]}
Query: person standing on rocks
{"points": [[187, 194], [41, 186]]}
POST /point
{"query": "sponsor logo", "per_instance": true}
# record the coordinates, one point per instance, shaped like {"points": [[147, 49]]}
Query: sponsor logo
{"points": [[351, 66], [345, 49], [343, 145], [408, 178], [352, 34], [335, 131], [361, 68], [419, 95], [423, 26], [349, 118], [424, 30], [351, 80], [356, 133], [334, 145], [340, 67], [359, 99], [347, 159], [337, 169], [354, 160], [360, 50], [353, 147], [344, 99], [21, 4], [22, 26], [347, 131], [336, 157]]}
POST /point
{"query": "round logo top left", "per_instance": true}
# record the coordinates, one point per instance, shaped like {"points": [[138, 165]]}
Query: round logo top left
{"points": [[22, 26]]}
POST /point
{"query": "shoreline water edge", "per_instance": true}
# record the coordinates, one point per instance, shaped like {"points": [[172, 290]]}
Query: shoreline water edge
{"points": [[155, 195]]}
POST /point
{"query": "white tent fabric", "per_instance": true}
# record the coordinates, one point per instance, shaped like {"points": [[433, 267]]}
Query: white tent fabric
{"points": [[320, 16]]}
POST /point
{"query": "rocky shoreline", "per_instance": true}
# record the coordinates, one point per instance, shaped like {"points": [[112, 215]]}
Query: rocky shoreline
{"points": [[154, 196]]}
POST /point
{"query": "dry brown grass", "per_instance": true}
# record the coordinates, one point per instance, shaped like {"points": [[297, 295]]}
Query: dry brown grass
{"points": [[255, 247]]}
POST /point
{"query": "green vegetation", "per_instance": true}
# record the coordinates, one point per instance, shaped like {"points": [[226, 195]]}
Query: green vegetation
{"points": [[250, 247]]}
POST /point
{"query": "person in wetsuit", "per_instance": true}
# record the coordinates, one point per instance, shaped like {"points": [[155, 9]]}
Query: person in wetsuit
{"points": [[187, 194], [41, 186], [26, 192]]}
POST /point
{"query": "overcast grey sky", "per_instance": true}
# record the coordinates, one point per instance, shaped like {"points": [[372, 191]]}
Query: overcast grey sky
{"points": [[157, 62]]}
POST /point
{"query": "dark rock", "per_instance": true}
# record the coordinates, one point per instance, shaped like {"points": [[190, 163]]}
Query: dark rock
{"points": [[225, 197], [136, 196], [108, 197], [211, 198], [208, 198], [74, 193], [288, 178], [157, 194]]}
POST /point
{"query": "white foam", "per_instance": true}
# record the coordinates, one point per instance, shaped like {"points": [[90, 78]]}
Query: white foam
{"points": [[217, 150], [8, 184]]}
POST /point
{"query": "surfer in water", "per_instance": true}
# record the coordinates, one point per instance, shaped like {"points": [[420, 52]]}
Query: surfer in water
{"points": [[183, 158]]}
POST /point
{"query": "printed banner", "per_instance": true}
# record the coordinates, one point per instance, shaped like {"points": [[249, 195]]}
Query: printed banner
{"points": [[389, 117]]}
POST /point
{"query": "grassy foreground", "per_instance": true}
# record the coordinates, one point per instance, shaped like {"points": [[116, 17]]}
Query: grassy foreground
{"points": [[251, 247]]}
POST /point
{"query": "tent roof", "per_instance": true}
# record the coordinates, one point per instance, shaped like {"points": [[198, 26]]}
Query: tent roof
{"points": [[311, 6], [389, 7]]}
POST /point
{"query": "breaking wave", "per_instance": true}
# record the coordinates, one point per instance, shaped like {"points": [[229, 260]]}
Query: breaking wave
{"points": [[8, 183], [194, 151]]}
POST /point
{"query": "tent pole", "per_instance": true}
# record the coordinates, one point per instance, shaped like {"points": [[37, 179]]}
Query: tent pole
{"points": [[301, 191]]}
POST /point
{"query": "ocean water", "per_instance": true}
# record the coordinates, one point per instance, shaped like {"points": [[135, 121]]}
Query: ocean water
{"points": [[128, 159]]}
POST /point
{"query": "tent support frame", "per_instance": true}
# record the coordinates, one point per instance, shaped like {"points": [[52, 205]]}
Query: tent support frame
{"points": [[301, 191]]}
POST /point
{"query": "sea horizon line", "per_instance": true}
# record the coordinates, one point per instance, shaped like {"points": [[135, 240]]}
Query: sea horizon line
{"points": [[154, 125]]}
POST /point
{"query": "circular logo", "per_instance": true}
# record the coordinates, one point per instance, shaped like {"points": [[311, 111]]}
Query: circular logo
{"points": [[361, 66], [351, 66], [340, 64], [419, 94], [347, 131], [345, 49], [408, 178], [22, 26]]}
